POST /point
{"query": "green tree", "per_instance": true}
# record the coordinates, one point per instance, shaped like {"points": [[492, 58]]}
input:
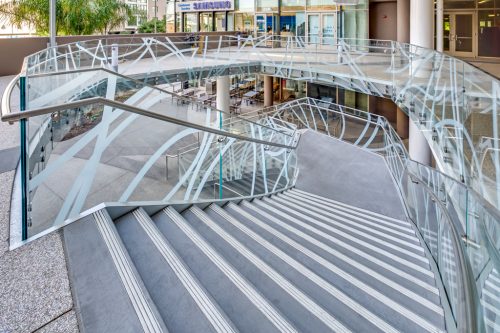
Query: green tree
{"points": [[73, 17], [149, 26]]}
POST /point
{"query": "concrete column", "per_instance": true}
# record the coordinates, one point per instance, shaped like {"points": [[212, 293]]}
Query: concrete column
{"points": [[439, 25], [268, 91], [223, 99], [421, 34], [402, 124], [422, 23], [419, 148], [403, 21]]}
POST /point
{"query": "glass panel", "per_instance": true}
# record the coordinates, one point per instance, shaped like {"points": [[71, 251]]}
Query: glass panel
{"points": [[488, 31], [191, 22], [301, 25], [99, 154], [313, 28], [463, 30], [244, 22], [206, 22], [328, 29], [447, 32], [260, 21], [267, 5]]}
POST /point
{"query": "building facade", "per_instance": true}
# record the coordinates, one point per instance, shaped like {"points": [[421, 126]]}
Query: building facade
{"points": [[313, 18]]}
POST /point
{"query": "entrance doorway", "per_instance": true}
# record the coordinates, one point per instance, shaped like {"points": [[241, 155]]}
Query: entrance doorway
{"points": [[322, 28], [459, 34]]}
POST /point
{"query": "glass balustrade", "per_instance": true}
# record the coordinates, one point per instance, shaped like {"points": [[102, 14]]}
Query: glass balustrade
{"points": [[454, 105], [97, 154]]}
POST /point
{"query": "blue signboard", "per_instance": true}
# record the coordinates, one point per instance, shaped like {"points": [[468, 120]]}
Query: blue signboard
{"points": [[201, 6]]}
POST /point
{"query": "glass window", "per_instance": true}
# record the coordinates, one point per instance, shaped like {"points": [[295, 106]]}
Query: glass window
{"points": [[244, 5], [244, 22], [320, 5], [220, 21], [301, 24], [206, 22], [170, 16], [488, 33], [353, 22], [267, 5], [290, 5], [459, 4], [288, 23], [191, 22], [230, 22]]}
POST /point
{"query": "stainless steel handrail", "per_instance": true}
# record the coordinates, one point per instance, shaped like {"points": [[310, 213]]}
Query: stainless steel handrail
{"points": [[5, 106], [188, 99], [12, 117]]}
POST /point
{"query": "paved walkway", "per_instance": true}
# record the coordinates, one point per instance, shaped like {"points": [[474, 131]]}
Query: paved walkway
{"points": [[34, 287]]}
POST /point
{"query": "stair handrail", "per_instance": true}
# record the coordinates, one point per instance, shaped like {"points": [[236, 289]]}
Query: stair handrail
{"points": [[17, 116]]}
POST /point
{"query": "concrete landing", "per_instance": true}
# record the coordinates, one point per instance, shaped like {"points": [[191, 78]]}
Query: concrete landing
{"points": [[348, 174]]}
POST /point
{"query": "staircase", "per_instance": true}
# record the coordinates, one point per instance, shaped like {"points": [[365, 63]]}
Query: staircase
{"points": [[291, 262]]}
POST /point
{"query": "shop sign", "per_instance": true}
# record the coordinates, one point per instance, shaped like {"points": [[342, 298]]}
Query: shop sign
{"points": [[205, 6]]}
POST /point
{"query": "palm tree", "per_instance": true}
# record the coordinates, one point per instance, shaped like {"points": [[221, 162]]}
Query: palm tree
{"points": [[73, 17]]}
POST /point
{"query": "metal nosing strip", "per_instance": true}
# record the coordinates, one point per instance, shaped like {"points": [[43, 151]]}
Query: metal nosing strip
{"points": [[394, 285], [351, 248], [253, 295], [325, 285], [324, 216], [363, 218], [362, 243], [211, 311], [361, 210], [147, 318], [346, 276], [286, 285]]}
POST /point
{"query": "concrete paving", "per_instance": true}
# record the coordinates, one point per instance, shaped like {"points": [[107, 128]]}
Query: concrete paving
{"points": [[347, 174], [35, 294]]}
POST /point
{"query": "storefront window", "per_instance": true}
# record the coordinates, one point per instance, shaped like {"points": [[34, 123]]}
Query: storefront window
{"points": [[488, 33], [220, 21], [288, 23], [206, 22], [300, 30], [230, 22], [353, 22], [244, 5], [190, 22], [244, 22]]}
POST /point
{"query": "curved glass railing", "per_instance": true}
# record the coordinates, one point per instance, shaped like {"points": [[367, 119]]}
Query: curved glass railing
{"points": [[454, 104], [97, 151], [459, 229]]}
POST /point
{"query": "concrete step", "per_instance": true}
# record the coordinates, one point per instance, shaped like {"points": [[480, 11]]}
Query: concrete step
{"points": [[244, 305], [182, 301], [110, 295], [306, 314], [401, 305]]}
